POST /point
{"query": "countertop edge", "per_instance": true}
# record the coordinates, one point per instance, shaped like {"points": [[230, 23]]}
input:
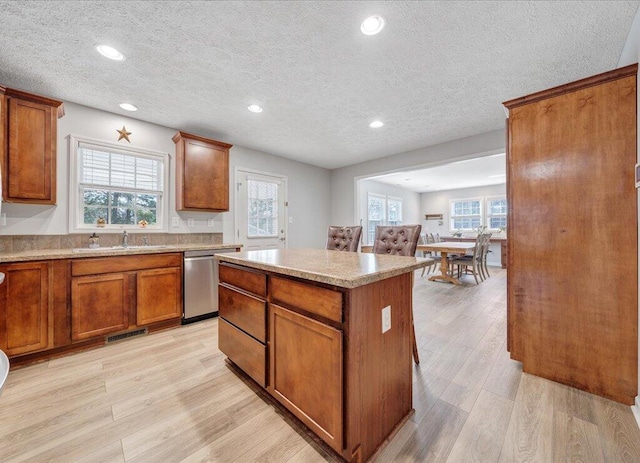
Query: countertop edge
{"points": [[57, 254], [348, 283]]}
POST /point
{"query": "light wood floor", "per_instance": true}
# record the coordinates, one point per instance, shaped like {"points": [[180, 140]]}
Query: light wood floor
{"points": [[170, 397]]}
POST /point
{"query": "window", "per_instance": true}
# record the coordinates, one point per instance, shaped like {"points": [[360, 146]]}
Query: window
{"points": [[382, 210], [116, 185], [496, 212], [262, 209], [466, 214]]}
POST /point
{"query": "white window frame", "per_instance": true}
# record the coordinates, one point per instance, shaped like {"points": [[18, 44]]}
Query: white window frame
{"points": [[76, 213], [488, 200], [263, 179], [453, 217], [385, 221]]}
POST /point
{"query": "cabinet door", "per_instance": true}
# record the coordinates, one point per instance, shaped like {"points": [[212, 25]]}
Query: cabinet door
{"points": [[30, 168], [573, 238], [305, 363], [100, 305], [159, 295], [205, 176], [24, 310]]}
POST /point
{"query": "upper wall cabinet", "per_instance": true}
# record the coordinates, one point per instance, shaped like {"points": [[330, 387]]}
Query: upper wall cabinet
{"points": [[28, 146], [202, 173]]}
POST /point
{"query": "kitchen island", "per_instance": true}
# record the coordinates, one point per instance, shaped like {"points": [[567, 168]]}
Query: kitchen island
{"points": [[328, 335]]}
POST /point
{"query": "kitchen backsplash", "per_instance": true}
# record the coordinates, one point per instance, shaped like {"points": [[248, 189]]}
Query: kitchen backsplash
{"points": [[17, 243]]}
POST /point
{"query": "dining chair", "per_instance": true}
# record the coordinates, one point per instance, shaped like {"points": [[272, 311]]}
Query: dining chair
{"points": [[401, 240], [474, 261], [485, 252], [429, 239], [344, 238]]}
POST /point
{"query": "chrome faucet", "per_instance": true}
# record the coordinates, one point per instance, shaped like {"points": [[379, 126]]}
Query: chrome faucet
{"points": [[125, 237]]}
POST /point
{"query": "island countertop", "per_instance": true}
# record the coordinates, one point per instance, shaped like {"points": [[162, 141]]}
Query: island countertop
{"points": [[337, 268]]}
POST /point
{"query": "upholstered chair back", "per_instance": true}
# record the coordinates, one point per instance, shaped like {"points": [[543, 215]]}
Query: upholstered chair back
{"points": [[344, 238], [401, 240]]}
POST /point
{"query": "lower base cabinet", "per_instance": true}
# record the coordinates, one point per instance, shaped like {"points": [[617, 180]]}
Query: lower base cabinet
{"points": [[305, 348], [99, 305], [158, 295], [136, 291], [54, 306], [325, 359], [24, 308]]}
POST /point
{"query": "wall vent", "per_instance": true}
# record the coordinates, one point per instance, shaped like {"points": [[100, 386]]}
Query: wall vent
{"points": [[128, 334]]}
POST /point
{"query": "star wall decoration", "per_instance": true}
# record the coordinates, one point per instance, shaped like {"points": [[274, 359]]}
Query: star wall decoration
{"points": [[123, 134]]}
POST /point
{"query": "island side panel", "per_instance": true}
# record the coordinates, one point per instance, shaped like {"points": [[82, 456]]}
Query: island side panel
{"points": [[378, 366]]}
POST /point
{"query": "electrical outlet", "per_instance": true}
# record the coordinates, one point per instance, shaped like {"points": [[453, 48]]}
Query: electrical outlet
{"points": [[210, 223], [175, 221], [190, 222], [290, 219], [386, 319]]}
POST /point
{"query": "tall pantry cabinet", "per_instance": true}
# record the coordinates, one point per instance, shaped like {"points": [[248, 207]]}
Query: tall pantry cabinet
{"points": [[572, 272]]}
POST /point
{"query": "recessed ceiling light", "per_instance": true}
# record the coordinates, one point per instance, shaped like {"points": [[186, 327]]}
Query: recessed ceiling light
{"points": [[372, 25], [128, 107], [376, 124], [110, 52], [254, 108]]}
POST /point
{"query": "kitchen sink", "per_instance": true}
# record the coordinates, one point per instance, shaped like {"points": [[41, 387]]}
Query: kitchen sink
{"points": [[121, 248]]}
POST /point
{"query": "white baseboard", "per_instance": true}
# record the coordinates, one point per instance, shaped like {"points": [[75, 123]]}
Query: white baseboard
{"points": [[636, 410]]}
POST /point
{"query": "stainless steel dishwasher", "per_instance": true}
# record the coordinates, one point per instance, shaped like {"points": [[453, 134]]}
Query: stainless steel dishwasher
{"points": [[200, 285]]}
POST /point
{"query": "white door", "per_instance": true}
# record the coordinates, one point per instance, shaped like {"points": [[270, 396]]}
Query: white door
{"points": [[261, 210]]}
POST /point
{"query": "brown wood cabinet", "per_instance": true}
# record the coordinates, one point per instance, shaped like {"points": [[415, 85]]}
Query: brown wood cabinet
{"points": [[202, 173], [304, 349], [572, 273], [113, 294], [28, 146], [159, 295], [325, 358], [24, 308], [242, 308], [100, 304]]}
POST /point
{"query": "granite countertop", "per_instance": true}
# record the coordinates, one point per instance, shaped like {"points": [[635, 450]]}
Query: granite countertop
{"points": [[48, 254], [337, 268]]}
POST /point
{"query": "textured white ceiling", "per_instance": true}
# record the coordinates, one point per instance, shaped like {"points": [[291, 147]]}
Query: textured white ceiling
{"points": [[437, 72], [486, 170]]}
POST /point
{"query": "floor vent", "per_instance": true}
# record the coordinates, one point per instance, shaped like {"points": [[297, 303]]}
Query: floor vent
{"points": [[128, 334]]}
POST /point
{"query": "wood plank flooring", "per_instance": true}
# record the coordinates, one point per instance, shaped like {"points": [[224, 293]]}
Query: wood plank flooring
{"points": [[171, 397]]}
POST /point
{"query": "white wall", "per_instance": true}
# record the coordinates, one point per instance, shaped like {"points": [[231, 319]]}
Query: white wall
{"points": [[309, 186], [309, 194], [410, 202], [343, 181]]}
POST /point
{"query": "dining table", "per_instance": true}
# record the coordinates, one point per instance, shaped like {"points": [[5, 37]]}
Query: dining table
{"points": [[445, 248]]}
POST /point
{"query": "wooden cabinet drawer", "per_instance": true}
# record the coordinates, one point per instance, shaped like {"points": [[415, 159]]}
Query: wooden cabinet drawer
{"points": [[243, 350], [313, 299], [246, 312], [254, 282], [96, 265]]}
